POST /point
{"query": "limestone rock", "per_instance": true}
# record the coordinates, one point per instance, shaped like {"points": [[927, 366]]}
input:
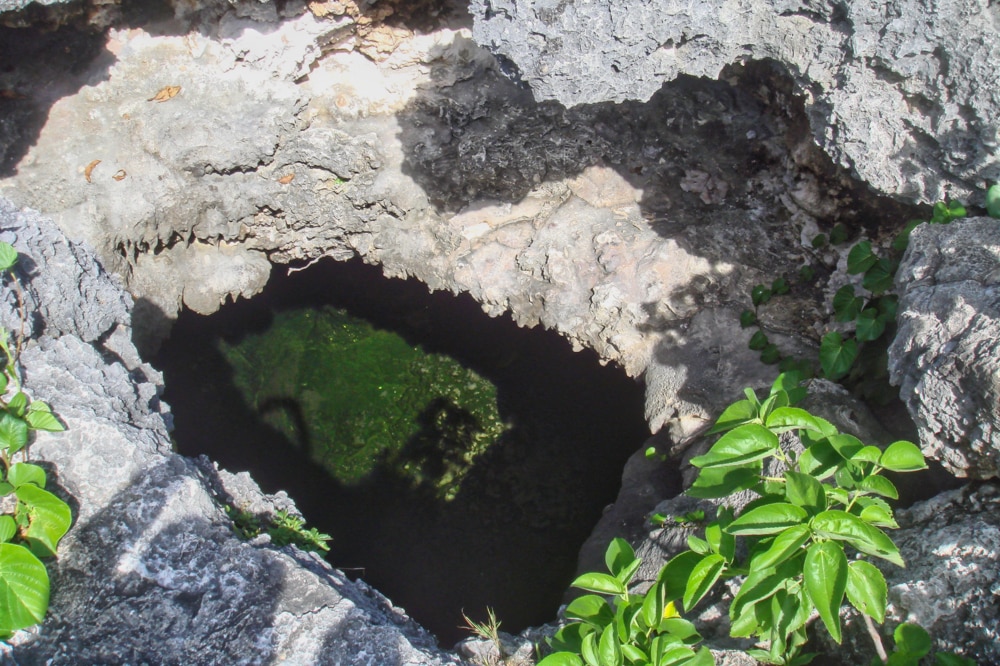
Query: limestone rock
{"points": [[894, 91], [946, 354], [151, 570], [636, 230], [949, 586]]}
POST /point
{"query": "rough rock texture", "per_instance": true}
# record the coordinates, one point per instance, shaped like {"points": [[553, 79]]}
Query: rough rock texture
{"points": [[951, 546], [904, 93], [946, 354], [151, 571], [634, 229]]}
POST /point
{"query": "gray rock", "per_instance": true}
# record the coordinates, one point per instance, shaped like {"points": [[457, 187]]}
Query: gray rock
{"points": [[894, 91], [946, 354], [951, 546], [635, 230], [151, 571]]}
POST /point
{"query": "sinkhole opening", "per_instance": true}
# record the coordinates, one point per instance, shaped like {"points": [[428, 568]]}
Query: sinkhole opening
{"points": [[458, 461]]}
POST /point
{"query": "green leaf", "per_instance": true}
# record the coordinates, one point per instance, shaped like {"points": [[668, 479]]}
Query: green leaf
{"points": [[838, 234], [734, 415], [805, 491], [825, 577], [818, 241], [902, 456], [870, 325], [22, 473], [861, 258], [846, 445], [758, 341], [878, 516], [679, 628], [836, 355], [820, 459], [887, 306], [770, 354], [760, 584], [845, 304], [703, 576], [600, 583], [993, 201], [760, 295], [634, 654], [40, 417], [780, 286], [609, 650], [879, 277], [748, 318], [789, 382], [714, 482], [570, 637], [912, 639], [588, 649], [8, 528], [675, 573], [24, 588], [591, 609], [768, 519], [653, 605], [50, 517], [746, 443], [721, 542], [8, 256], [843, 526], [784, 546], [618, 556], [880, 486], [699, 546], [869, 454], [18, 404], [13, 432], [561, 659], [807, 273], [791, 418], [703, 657], [866, 589]]}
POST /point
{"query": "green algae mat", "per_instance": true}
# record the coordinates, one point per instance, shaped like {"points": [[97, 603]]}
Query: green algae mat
{"points": [[356, 398]]}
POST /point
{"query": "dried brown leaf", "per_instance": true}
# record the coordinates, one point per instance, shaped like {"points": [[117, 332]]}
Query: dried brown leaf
{"points": [[165, 93], [120, 174], [89, 169], [284, 180]]}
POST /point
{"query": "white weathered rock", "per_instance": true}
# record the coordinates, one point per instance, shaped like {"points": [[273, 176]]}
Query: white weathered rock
{"points": [[946, 354]]}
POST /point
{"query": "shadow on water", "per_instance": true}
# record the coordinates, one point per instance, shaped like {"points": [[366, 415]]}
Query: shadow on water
{"points": [[509, 538]]}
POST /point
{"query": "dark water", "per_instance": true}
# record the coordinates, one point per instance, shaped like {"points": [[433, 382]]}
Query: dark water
{"points": [[507, 536]]}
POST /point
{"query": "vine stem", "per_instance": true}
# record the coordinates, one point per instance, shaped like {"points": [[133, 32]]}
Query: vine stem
{"points": [[879, 648]]}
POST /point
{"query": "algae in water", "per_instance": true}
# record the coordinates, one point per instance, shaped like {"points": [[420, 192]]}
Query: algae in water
{"points": [[357, 398]]}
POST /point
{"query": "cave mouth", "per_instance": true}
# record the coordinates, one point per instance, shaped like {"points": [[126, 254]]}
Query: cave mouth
{"points": [[503, 532]]}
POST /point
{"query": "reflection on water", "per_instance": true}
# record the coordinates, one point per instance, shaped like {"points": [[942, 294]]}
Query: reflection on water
{"points": [[508, 537], [355, 398]]}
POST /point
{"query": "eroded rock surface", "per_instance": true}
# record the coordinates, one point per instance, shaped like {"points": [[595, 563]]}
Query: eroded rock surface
{"points": [[204, 147], [151, 571], [903, 93], [946, 354]]}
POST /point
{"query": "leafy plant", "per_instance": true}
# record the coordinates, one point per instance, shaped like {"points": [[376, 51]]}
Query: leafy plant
{"points": [[818, 515], [624, 627], [284, 529], [488, 630], [872, 315], [913, 643], [33, 519]]}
